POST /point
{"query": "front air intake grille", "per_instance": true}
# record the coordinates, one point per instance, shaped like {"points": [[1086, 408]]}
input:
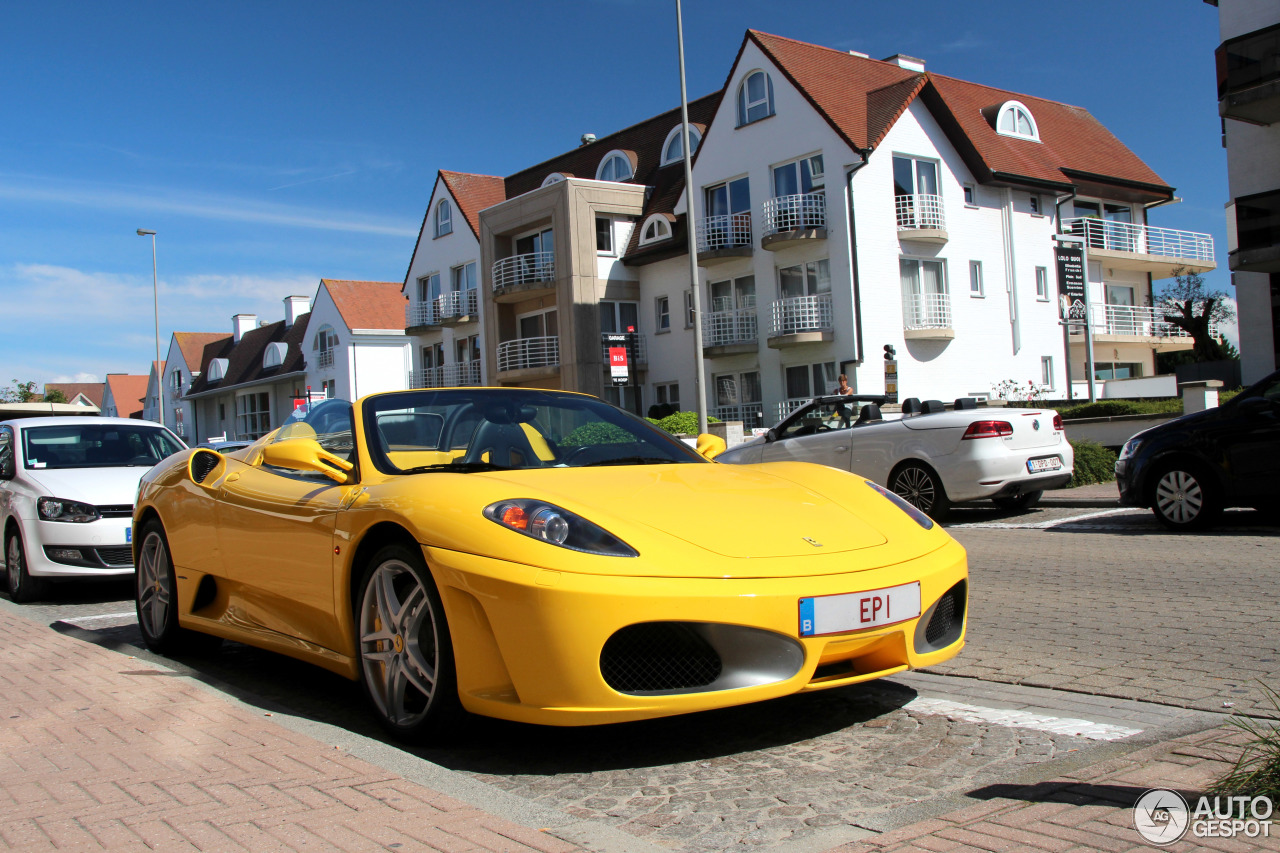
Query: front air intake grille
{"points": [[658, 656], [116, 557], [946, 620], [940, 624], [116, 511], [203, 462]]}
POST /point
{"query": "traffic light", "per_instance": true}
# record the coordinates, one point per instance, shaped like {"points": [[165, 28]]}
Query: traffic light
{"points": [[889, 352]]}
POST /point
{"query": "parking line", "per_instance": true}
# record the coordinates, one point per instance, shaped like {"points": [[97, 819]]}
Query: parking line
{"points": [[132, 614], [1020, 719], [1044, 525]]}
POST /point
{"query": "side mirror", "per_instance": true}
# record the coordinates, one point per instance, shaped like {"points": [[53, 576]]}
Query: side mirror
{"points": [[306, 454], [771, 435], [710, 446], [1258, 406]]}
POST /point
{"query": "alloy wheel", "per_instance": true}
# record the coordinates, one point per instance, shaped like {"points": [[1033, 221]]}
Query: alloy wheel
{"points": [[917, 487], [399, 645], [155, 590]]}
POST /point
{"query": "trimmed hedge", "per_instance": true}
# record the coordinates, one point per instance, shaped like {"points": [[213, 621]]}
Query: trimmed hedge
{"points": [[598, 433], [683, 423], [1112, 408], [1094, 464]]}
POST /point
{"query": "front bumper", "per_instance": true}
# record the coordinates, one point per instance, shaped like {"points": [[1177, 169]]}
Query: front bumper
{"points": [[529, 642], [103, 547]]}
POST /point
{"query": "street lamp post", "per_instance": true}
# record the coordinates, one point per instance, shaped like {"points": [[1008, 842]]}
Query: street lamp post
{"points": [[155, 296]]}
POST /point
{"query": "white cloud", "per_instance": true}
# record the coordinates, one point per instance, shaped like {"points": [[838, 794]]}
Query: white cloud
{"points": [[80, 378]]}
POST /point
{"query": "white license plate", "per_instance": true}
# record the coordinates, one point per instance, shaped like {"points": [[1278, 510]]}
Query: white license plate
{"points": [[1048, 463], [853, 611]]}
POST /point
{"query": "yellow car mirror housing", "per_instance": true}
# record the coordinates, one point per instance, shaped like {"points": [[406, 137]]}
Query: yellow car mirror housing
{"points": [[306, 454], [710, 446]]}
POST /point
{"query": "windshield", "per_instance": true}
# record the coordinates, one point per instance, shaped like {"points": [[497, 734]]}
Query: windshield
{"points": [[490, 429], [93, 445], [329, 423]]}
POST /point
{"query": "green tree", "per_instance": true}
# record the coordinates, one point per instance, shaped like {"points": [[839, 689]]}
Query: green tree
{"points": [[21, 392], [1192, 308], [54, 396]]}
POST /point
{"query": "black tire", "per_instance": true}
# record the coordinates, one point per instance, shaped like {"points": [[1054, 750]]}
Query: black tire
{"points": [[1183, 498], [406, 654], [156, 598], [22, 586], [1026, 500], [919, 486]]}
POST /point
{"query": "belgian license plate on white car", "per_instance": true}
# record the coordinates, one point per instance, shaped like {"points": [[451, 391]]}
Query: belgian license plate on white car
{"points": [[1044, 463], [853, 611]]}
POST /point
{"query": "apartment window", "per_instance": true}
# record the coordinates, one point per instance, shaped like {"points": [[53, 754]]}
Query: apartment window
{"points": [[688, 309], [1034, 201], [673, 150], [1046, 371], [970, 196], [619, 317], [253, 414], [727, 208], [222, 412], [663, 310], [1117, 370], [428, 288], [913, 176], [466, 350], [738, 398], [926, 303], [604, 235], [734, 294], [538, 324], [464, 277], [175, 381], [1014, 119], [325, 340], [553, 178], [810, 380], [810, 279], [444, 218], [667, 393], [616, 166], [626, 397], [1042, 284], [330, 388], [433, 356], [799, 176], [975, 278], [755, 98], [656, 227]]}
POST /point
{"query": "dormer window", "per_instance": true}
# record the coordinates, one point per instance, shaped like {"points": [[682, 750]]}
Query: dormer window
{"points": [[444, 218], [673, 150], [657, 227], [755, 98], [325, 339], [616, 166], [274, 355], [1014, 119], [218, 369], [553, 178]]}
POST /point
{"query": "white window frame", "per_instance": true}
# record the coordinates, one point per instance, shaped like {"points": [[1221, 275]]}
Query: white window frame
{"points": [[1042, 284], [458, 277], [610, 250], [975, 278], [695, 139], [665, 393], [424, 287], [829, 379], [970, 196], [1033, 201], [444, 218], [1015, 108], [1046, 370], [553, 178], [745, 107], [662, 314], [613, 155], [253, 422], [661, 229]]}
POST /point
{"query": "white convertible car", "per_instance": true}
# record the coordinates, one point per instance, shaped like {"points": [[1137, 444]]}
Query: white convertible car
{"points": [[931, 455]]}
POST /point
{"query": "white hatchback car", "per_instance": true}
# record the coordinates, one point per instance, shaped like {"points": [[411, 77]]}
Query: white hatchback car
{"points": [[931, 455], [67, 487]]}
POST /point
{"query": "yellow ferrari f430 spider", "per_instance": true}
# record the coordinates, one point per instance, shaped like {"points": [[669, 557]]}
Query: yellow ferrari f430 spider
{"points": [[539, 556]]}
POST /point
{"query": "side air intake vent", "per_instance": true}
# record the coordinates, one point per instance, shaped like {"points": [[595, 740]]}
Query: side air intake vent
{"points": [[202, 464], [941, 624], [658, 656]]}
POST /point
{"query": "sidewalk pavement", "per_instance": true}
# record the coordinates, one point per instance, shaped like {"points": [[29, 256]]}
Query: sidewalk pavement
{"points": [[104, 751]]}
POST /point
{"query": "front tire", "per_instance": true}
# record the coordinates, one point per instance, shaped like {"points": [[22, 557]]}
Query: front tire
{"points": [[1183, 498], [1026, 500], [922, 488], [22, 586], [406, 654], [156, 598]]}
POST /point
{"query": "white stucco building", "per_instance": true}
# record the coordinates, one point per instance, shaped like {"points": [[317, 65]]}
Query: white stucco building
{"points": [[356, 343]]}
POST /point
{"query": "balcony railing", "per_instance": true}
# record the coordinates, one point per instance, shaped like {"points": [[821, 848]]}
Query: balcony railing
{"points": [[324, 359], [1136, 320], [448, 375], [724, 232], [524, 353], [802, 314], [724, 328], [794, 212], [530, 268], [786, 407], [751, 414], [926, 311], [637, 347], [1141, 239], [918, 211], [456, 303]]}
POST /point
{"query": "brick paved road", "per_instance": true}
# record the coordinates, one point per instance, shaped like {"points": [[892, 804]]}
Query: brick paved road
{"points": [[1116, 607]]}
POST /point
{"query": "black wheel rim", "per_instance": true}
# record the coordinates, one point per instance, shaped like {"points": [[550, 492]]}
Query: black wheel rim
{"points": [[916, 486]]}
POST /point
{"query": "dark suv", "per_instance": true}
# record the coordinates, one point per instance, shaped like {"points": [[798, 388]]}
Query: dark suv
{"points": [[1189, 469]]}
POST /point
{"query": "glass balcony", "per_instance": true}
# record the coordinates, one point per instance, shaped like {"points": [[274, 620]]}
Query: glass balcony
{"points": [[1249, 77]]}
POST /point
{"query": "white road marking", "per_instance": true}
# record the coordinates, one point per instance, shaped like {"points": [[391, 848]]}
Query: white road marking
{"points": [[1020, 719], [132, 614], [1044, 525]]}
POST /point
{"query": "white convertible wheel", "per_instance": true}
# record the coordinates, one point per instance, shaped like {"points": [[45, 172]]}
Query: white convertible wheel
{"points": [[406, 658], [921, 488]]}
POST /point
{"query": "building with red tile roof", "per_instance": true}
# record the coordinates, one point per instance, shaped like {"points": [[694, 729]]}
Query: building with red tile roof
{"points": [[79, 392], [123, 395]]}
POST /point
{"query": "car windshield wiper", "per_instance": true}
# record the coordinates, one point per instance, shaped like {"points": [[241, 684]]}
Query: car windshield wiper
{"points": [[629, 460], [457, 467]]}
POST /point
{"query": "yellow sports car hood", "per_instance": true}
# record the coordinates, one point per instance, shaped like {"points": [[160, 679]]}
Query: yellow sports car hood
{"points": [[734, 511]]}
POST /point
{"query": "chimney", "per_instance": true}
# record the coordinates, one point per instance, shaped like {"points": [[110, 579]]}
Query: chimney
{"points": [[295, 307], [587, 139], [242, 323], [908, 62]]}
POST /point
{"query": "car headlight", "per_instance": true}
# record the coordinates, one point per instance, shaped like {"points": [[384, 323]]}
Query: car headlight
{"points": [[549, 523], [56, 509], [916, 515], [1130, 448]]}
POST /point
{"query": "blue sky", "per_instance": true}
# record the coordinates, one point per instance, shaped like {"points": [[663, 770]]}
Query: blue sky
{"points": [[271, 144]]}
